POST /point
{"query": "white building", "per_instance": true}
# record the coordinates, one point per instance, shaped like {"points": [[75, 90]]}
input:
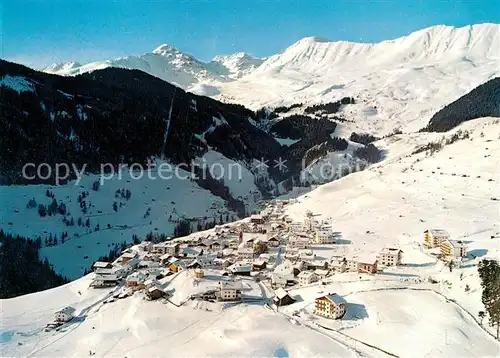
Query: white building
{"points": [[338, 265], [278, 280], [453, 248], [298, 242], [101, 265], [307, 277], [229, 291], [245, 253], [65, 315], [434, 237], [390, 256], [324, 237], [351, 264], [330, 306]]}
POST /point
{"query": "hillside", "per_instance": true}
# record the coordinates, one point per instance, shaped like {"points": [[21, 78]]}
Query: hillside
{"points": [[483, 101], [388, 205], [398, 83]]}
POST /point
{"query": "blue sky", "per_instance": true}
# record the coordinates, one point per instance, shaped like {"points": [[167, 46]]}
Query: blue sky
{"points": [[40, 32]]}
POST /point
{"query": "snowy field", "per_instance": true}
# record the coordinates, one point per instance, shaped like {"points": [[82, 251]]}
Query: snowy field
{"points": [[167, 202], [133, 327]]}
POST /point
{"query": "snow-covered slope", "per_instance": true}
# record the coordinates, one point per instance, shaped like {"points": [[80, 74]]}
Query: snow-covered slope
{"points": [[238, 64], [392, 203], [398, 83]]}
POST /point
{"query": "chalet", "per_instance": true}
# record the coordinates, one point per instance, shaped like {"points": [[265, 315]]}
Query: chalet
{"points": [[307, 277], [229, 291], [101, 265], [330, 306], [282, 298], [352, 264], [247, 242], [136, 280], [259, 265], [176, 265], [245, 253], [279, 280], [65, 315], [199, 273], [215, 245], [171, 248], [195, 264], [367, 265], [434, 237], [298, 242], [233, 243], [324, 236], [241, 270], [101, 281], [273, 242], [155, 292], [321, 273], [338, 265], [104, 271], [257, 219], [291, 253], [206, 260], [390, 256], [131, 264], [126, 257], [145, 246], [453, 248], [190, 252]]}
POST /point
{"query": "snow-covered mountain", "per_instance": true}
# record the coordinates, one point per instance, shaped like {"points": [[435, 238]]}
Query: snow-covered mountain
{"points": [[401, 82], [238, 64], [171, 65]]}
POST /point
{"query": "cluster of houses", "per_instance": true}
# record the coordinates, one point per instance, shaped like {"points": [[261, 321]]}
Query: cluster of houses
{"points": [[448, 249]]}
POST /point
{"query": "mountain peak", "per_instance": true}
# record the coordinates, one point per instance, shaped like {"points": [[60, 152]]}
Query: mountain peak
{"points": [[165, 49]]}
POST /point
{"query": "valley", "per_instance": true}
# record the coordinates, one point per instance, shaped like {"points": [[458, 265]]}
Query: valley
{"points": [[333, 199]]}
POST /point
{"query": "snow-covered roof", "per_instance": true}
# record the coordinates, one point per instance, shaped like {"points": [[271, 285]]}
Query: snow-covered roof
{"points": [[439, 233], [245, 250], [230, 285], [100, 264], [259, 262], [130, 255], [390, 251], [457, 243], [241, 268], [280, 293], [306, 274], [105, 278], [67, 310], [335, 298], [104, 271], [321, 272]]}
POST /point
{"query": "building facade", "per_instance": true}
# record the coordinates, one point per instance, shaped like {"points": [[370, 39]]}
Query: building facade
{"points": [[330, 306]]}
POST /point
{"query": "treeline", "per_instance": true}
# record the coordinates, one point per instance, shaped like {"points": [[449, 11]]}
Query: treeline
{"points": [[331, 145], [483, 101], [330, 107], [114, 116], [370, 153], [300, 126], [22, 271]]}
